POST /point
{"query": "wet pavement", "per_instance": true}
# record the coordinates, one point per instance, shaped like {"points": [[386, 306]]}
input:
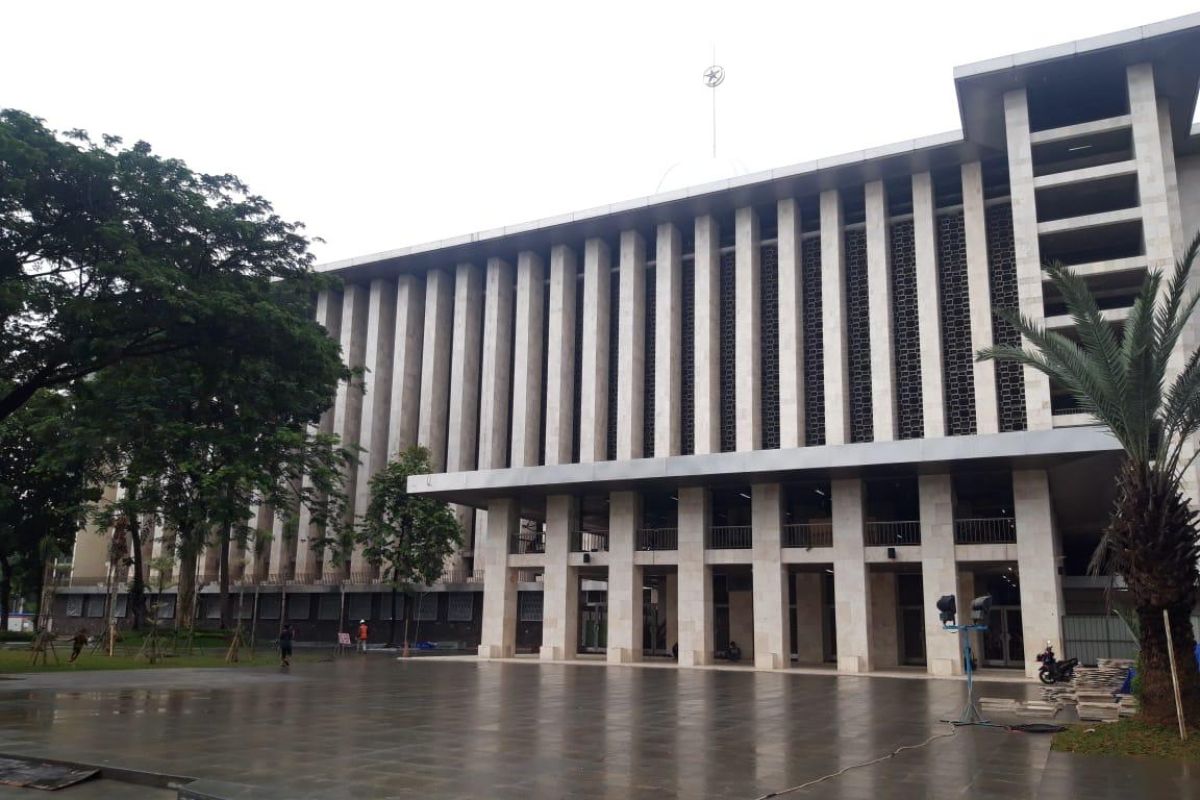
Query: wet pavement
{"points": [[373, 727]]}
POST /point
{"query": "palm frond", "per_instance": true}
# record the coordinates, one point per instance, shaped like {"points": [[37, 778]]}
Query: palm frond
{"points": [[1097, 334], [1174, 312]]}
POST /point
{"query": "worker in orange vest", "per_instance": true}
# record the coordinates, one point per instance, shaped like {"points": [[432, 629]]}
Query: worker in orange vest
{"points": [[362, 635]]}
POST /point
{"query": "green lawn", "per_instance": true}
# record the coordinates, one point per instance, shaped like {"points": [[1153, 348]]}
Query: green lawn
{"points": [[20, 660], [1129, 738]]}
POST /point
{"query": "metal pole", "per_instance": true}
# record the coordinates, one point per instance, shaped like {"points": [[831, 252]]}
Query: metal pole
{"points": [[1174, 676]]}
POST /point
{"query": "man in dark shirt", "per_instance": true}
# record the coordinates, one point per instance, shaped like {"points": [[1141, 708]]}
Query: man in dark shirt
{"points": [[285, 646]]}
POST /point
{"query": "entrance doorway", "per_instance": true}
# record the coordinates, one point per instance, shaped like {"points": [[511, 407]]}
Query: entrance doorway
{"points": [[1003, 642], [654, 616], [593, 621]]}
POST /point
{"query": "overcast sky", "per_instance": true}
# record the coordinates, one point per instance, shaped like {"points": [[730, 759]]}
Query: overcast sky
{"points": [[386, 124]]}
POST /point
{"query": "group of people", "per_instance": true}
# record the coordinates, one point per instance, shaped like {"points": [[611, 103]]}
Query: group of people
{"points": [[287, 638]]}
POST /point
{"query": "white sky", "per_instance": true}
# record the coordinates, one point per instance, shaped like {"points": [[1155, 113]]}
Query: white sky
{"points": [[386, 124]]}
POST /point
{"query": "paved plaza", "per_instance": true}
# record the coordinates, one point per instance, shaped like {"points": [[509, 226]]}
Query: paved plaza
{"points": [[373, 727]]}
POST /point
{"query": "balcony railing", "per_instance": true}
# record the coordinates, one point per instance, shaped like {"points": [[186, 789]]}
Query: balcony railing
{"points": [[589, 541], [463, 575], [658, 539], [898, 533], [985, 530], [808, 535], [730, 537], [527, 542]]}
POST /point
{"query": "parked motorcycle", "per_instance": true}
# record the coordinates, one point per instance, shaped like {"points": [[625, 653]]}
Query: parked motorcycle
{"points": [[1053, 670]]}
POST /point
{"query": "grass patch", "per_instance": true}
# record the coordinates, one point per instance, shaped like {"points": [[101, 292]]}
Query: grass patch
{"points": [[19, 660], [1129, 737]]}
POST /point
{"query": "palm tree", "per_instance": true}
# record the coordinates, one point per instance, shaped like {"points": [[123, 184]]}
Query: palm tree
{"points": [[1127, 378]]}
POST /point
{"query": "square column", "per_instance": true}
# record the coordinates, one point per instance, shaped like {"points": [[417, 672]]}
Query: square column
{"points": [[668, 352], [747, 330], [1038, 561], [560, 582], [707, 348], [499, 636], [631, 333], [851, 590], [772, 620], [879, 307], [406, 363], [593, 402], [377, 399], [791, 330], [435, 365], [929, 309], [624, 579], [694, 600], [307, 561], [885, 638], [1157, 211], [939, 572], [463, 436], [1027, 248], [979, 298], [527, 360], [810, 618], [497, 359], [560, 357], [833, 321], [348, 404]]}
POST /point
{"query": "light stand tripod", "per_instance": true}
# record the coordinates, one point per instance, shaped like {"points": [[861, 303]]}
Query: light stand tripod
{"points": [[970, 714]]}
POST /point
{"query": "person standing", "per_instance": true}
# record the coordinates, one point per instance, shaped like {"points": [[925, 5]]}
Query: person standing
{"points": [[79, 641], [363, 632], [286, 636]]}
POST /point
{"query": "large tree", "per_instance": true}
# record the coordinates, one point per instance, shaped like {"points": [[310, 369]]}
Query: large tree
{"points": [[407, 535], [44, 494], [110, 253], [1127, 377]]}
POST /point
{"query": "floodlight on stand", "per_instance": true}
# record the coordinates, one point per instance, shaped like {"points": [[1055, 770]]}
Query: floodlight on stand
{"points": [[947, 608], [981, 607]]}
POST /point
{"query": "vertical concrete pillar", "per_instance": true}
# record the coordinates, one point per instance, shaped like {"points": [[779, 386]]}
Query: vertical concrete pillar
{"points": [[593, 403], [283, 550], [670, 608], [462, 435], [810, 618], [1038, 561], [747, 330], [833, 321], [939, 571], [791, 329], [1152, 174], [624, 579], [496, 366], [707, 411], [560, 370], [499, 635], [406, 363], [668, 333], [377, 398], [348, 405], [527, 360], [885, 639], [1026, 247], [694, 606], [329, 315], [929, 310], [560, 582], [979, 297], [435, 365], [631, 333], [851, 589], [772, 620], [879, 291]]}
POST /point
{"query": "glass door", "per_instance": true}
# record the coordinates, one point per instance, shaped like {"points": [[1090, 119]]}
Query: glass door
{"points": [[1003, 643]]}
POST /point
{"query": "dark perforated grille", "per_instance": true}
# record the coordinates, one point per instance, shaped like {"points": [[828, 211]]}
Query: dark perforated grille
{"points": [[1002, 273], [648, 386], [578, 367], [814, 351], [906, 334], [858, 336], [958, 380], [614, 358], [687, 341], [769, 345], [728, 369]]}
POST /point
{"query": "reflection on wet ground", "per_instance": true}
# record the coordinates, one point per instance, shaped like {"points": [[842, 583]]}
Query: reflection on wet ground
{"points": [[372, 727]]}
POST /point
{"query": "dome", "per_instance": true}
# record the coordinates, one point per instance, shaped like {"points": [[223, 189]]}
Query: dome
{"points": [[698, 171]]}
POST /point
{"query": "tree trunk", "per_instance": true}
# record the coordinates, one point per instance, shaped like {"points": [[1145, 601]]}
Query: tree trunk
{"points": [[137, 586], [1156, 690], [185, 611], [223, 583], [392, 625], [5, 591]]}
